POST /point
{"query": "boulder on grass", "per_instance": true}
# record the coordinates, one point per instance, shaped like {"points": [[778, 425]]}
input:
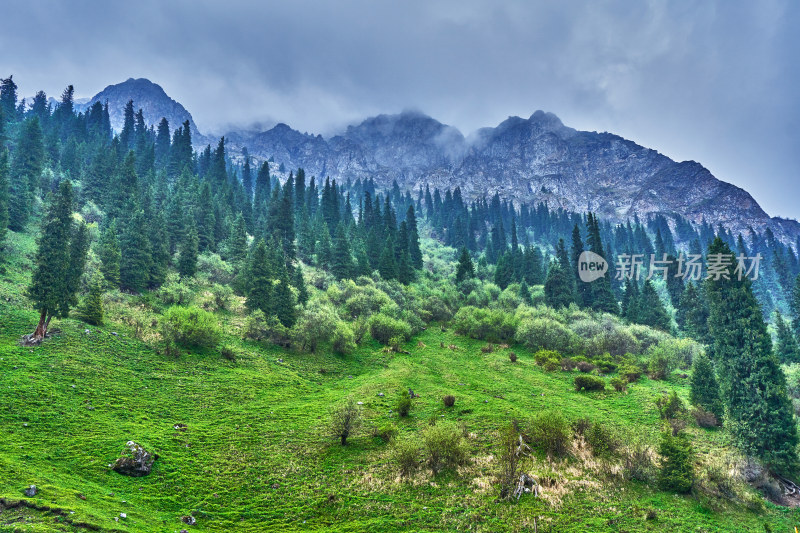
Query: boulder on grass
{"points": [[135, 461]]}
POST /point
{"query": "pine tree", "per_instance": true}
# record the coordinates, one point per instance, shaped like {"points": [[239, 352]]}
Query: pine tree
{"points": [[651, 310], [413, 238], [324, 247], [405, 272], [187, 258], [559, 287], [676, 473], [602, 298], [753, 384], [525, 293], [503, 272], [465, 269], [341, 261], [300, 284], [692, 312], [794, 304], [387, 267], [134, 267], [26, 172], [109, 254], [282, 299], [583, 292], [4, 193], [159, 245], [704, 386], [54, 271], [786, 347], [91, 310], [259, 281]]}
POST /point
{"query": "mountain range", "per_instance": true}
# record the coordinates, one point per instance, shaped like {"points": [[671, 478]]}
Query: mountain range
{"points": [[522, 159]]}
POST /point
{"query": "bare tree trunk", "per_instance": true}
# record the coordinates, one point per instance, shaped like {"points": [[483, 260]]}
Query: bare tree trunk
{"points": [[41, 328]]}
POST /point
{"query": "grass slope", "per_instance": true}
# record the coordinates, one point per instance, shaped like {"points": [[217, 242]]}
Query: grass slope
{"points": [[255, 457]]}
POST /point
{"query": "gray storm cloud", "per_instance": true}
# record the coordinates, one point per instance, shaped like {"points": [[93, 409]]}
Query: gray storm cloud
{"points": [[711, 81]]}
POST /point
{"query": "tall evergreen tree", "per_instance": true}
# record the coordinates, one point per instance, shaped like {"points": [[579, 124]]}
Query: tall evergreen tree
{"points": [[559, 287], [342, 260], [259, 280], [651, 310], [413, 238], [26, 172], [109, 253], [794, 305], [91, 310], [387, 267], [704, 386], [786, 347], [135, 253], [602, 298], [54, 272], [692, 312], [187, 258], [4, 195], [753, 385], [465, 268]]}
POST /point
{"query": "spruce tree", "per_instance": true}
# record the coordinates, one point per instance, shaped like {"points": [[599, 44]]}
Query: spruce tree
{"points": [[134, 267], [503, 272], [786, 347], [692, 312], [753, 385], [300, 284], [405, 272], [651, 310], [583, 292], [25, 173], [525, 293], [54, 272], [259, 281], [282, 299], [704, 386], [341, 260], [794, 304], [91, 310], [387, 267], [109, 254], [465, 269], [559, 287], [187, 258], [601, 298], [4, 193], [413, 238]]}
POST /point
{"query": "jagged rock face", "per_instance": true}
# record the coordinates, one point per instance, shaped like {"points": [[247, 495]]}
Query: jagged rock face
{"points": [[532, 160], [147, 96]]}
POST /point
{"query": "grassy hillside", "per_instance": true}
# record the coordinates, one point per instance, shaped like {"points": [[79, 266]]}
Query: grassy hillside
{"points": [[256, 454]]}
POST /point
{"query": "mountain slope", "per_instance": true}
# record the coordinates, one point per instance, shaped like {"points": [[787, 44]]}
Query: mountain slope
{"points": [[147, 96]]}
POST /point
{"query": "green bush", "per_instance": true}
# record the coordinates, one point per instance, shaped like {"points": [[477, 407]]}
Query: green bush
{"points": [[602, 439], [190, 326], [345, 419], [618, 384], [630, 373], [222, 295], [550, 432], [383, 328], [406, 454], [403, 404], [386, 432], [670, 407], [444, 446], [493, 325], [343, 339], [676, 473], [605, 365], [315, 325], [176, 291], [260, 328], [546, 334], [589, 383]]}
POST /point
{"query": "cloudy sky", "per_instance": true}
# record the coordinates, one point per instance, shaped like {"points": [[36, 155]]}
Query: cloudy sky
{"points": [[712, 81]]}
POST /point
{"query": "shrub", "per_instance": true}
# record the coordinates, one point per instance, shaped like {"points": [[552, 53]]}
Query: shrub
{"points": [[489, 348], [512, 356], [315, 325], [581, 426], [449, 400], [671, 406], [508, 460], [605, 365], [175, 291], [406, 454], [383, 328], [585, 366], [618, 384], [602, 439], [190, 326], [212, 267], [550, 432], [550, 360], [630, 373], [387, 432], [638, 462], [545, 334], [705, 419], [222, 295], [676, 473], [345, 420], [258, 327], [444, 446], [589, 383], [228, 353], [493, 325], [343, 339], [403, 404]]}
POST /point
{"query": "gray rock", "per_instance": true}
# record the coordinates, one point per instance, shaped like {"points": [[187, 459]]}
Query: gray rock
{"points": [[135, 461], [31, 491]]}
